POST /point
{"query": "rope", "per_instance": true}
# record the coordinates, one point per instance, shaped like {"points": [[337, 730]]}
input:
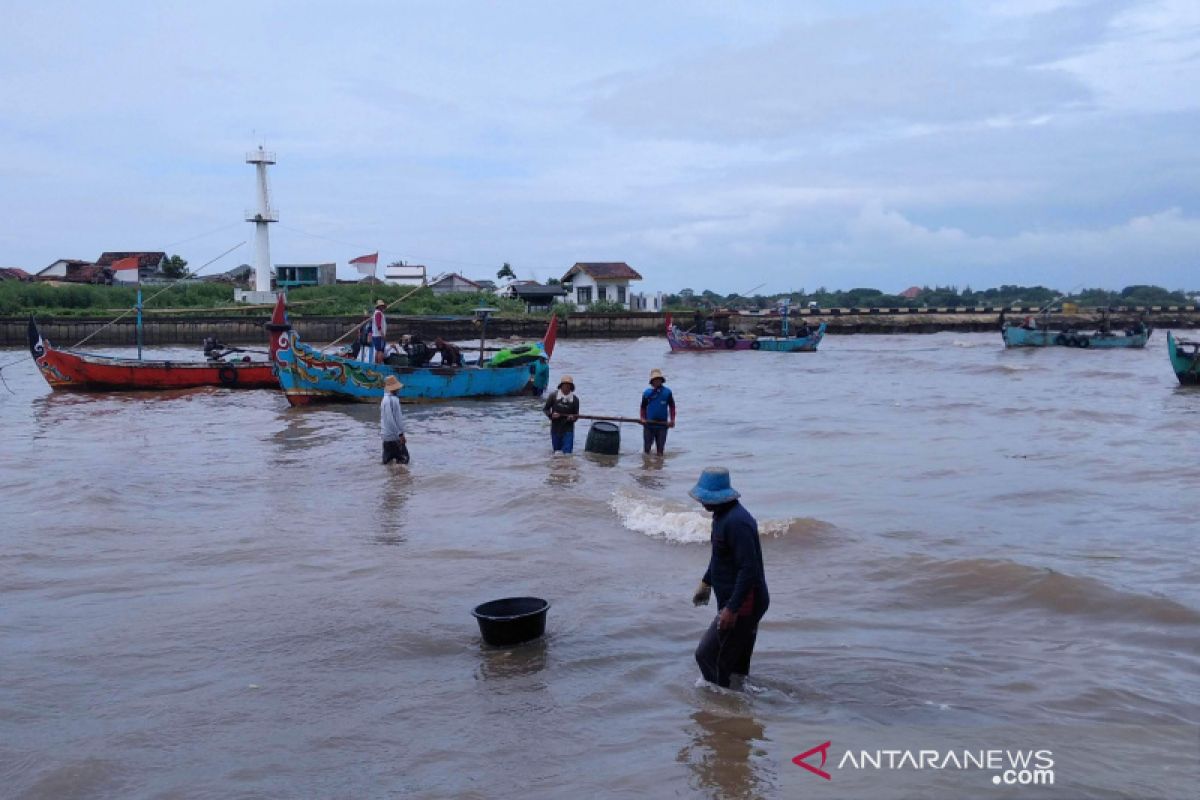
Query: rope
{"points": [[358, 325], [156, 294]]}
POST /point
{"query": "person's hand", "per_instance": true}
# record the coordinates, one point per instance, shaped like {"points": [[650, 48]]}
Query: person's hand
{"points": [[642, 420], [573, 417], [703, 592], [402, 439], [554, 415], [726, 620], [671, 424]]}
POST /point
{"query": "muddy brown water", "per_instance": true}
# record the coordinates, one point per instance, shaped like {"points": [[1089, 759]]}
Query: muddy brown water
{"points": [[209, 594]]}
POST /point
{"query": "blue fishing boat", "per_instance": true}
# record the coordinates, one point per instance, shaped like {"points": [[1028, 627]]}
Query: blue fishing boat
{"points": [[1029, 335], [308, 375], [1185, 360], [687, 341]]}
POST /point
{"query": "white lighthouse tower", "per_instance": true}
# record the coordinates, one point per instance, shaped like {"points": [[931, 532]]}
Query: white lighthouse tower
{"points": [[263, 216]]}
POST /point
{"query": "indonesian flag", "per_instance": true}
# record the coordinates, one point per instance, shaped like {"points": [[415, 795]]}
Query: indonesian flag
{"points": [[551, 336], [366, 264], [125, 270]]}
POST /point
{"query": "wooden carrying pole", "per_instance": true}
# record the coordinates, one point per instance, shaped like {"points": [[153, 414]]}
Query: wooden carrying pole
{"points": [[385, 308], [633, 420]]}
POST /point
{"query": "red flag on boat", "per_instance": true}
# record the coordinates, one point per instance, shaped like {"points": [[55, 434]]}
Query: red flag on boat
{"points": [[551, 336], [125, 270], [366, 264]]}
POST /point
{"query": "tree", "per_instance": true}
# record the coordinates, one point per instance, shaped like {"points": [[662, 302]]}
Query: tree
{"points": [[553, 282], [175, 267], [506, 271]]}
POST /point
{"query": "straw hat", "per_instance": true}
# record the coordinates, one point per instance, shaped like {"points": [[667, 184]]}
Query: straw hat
{"points": [[392, 384], [657, 373], [379, 303], [566, 379], [713, 487]]}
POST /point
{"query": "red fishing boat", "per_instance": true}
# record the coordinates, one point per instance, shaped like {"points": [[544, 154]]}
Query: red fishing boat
{"points": [[64, 369]]}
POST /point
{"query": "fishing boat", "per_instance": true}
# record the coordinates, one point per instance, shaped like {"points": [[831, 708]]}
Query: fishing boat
{"points": [[308, 375], [70, 370], [688, 341], [1021, 336], [1185, 360]]}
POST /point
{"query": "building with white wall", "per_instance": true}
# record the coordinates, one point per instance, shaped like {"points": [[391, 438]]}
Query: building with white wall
{"points": [[600, 282]]}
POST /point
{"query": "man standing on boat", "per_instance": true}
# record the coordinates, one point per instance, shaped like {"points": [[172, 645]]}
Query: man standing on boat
{"points": [[379, 330], [562, 407], [735, 571], [658, 413], [391, 423]]}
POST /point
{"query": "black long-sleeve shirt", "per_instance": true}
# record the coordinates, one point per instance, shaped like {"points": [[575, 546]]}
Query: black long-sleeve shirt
{"points": [[556, 405], [735, 570]]}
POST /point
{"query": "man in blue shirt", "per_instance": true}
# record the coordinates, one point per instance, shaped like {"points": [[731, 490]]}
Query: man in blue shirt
{"points": [[735, 571], [658, 412]]}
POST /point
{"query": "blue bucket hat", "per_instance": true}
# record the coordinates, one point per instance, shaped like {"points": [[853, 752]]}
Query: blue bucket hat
{"points": [[713, 487]]}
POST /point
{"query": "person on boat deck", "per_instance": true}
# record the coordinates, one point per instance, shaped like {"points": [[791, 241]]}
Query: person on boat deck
{"points": [[735, 571], [379, 330], [562, 407], [802, 330], [362, 341], [391, 423], [419, 353], [1029, 324], [658, 413], [451, 353], [394, 356]]}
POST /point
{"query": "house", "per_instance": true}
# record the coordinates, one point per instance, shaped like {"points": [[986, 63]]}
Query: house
{"points": [[911, 293], [401, 274], [600, 282], [74, 270], [63, 268], [288, 276], [536, 296], [641, 301], [241, 275], [150, 265], [453, 284], [486, 285], [14, 274]]}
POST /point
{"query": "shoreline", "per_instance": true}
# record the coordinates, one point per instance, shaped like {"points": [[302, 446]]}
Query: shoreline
{"points": [[191, 330]]}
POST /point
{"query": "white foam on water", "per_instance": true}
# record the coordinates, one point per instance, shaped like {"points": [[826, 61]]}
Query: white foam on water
{"points": [[655, 518], [660, 520]]}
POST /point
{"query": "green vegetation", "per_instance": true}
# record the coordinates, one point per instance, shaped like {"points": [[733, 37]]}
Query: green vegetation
{"points": [[85, 300], [935, 297]]}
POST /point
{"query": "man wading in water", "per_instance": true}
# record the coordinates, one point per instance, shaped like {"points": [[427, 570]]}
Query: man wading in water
{"points": [[735, 570], [658, 413], [391, 423], [562, 407]]}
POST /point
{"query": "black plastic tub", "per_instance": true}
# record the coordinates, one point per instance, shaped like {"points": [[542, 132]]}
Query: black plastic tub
{"points": [[512, 620], [603, 438]]}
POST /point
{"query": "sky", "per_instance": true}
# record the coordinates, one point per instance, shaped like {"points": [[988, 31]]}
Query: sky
{"points": [[730, 146]]}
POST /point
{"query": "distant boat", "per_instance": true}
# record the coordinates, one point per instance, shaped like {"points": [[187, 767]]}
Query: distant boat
{"points": [[684, 341], [64, 369], [1020, 336], [1185, 360], [307, 375]]}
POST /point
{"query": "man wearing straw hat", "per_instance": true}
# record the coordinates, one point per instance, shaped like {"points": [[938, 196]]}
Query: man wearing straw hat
{"points": [[379, 330], [391, 423], [735, 571], [562, 407], [658, 412]]}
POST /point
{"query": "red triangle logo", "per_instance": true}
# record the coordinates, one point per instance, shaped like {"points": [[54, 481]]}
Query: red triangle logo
{"points": [[823, 749]]}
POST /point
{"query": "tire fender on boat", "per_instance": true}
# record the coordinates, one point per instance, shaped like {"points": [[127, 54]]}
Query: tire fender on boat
{"points": [[755, 345], [730, 343], [228, 375], [1061, 339]]}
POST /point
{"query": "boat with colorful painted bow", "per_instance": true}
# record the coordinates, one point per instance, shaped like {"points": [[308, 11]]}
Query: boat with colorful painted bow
{"points": [[308, 375], [66, 369], [1185, 359], [689, 341]]}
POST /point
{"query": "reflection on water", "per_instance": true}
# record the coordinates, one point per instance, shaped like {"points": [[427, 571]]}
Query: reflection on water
{"points": [[520, 661], [726, 756], [564, 471]]}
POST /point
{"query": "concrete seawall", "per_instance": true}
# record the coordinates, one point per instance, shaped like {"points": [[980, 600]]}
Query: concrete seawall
{"points": [[191, 330]]}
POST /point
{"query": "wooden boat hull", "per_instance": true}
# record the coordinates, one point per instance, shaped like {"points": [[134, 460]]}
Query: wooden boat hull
{"points": [[1185, 364], [1016, 336], [705, 343], [65, 370], [308, 376]]}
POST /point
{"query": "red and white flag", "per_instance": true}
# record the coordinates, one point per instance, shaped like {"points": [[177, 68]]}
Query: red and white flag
{"points": [[125, 270], [366, 264]]}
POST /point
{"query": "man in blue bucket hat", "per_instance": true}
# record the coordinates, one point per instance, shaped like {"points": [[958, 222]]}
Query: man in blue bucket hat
{"points": [[735, 571]]}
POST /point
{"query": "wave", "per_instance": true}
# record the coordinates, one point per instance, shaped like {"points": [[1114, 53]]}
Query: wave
{"points": [[661, 520], [929, 582]]}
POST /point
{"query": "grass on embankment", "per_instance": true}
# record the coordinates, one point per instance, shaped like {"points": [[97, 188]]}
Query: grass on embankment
{"points": [[83, 300]]}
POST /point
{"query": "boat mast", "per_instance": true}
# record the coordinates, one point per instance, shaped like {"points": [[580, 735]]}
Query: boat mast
{"points": [[139, 321]]}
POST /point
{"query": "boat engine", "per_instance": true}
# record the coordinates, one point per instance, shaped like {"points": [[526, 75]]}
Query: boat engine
{"points": [[213, 349]]}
